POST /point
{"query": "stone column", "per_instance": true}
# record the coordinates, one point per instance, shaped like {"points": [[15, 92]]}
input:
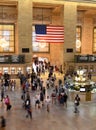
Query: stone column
{"points": [[70, 20], [87, 34], [25, 28]]}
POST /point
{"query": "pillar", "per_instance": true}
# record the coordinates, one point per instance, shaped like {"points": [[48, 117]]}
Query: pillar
{"points": [[87, 33], [70, 20], [25, 29]]}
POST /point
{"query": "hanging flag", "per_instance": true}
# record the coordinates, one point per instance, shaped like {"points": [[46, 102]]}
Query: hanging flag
{"points": [[50, 33]]}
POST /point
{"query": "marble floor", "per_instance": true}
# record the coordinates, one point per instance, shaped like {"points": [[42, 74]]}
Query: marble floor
{"points": [[59, 118]]}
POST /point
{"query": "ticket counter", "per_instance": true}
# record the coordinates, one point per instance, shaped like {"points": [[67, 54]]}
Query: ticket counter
{"points": [[14, 70]]}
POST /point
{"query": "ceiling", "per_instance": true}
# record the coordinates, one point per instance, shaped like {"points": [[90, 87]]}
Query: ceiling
{"points": [[87, 10], [56, 8]]}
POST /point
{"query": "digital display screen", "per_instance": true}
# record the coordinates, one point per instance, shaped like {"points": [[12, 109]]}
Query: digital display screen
{"points": [[82, 90], [9, 59], [85, 58]]}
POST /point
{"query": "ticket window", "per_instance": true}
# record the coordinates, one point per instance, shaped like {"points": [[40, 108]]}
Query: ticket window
{"points": [[86, 68], [5, 70], [19, 70], [91, 68], [13, 70], [80, 67], [28, 69]]}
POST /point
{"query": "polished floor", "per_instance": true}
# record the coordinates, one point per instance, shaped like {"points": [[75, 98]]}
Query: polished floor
{"points": [[59, 118]]}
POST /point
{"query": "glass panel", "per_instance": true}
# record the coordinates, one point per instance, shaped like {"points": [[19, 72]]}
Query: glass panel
{"points": [[94, 40], [12, 44], [7, 38], [11, 38], [1, 49], [78, 38], [94, 44], [94, 30], [11, 32], [11, 49]]}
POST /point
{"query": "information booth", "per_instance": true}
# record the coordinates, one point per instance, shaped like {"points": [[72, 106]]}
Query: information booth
{"points": [[83, 86]]}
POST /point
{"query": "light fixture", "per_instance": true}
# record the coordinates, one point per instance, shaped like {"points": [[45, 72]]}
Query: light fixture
{"points": [[3, 43], [34, 56], [19, 69]]}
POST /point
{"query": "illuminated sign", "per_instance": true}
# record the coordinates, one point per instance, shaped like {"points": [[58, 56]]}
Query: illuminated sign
{"points": [[10, 59], [85, 58]]}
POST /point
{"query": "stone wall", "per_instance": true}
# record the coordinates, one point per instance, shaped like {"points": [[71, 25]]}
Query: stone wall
{"points": [[25, 28], [87, 35], [55, 56], [67, 16]]}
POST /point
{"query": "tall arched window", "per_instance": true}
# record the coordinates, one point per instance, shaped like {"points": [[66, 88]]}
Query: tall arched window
{"points": [[78, 39], [94, 40], [7, 38]]}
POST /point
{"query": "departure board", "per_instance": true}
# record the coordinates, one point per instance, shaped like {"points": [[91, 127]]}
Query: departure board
{"points": [[85, 58], [10, 59]]}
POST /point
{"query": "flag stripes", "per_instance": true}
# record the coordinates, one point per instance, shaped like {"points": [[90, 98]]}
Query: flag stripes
{"points": [[51, 34]]}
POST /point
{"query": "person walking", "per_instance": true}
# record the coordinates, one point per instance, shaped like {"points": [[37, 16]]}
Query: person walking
{"points": [[29, 111], [3, 123], [7, 103], [76, 103], [48, 100], [28, 107], [37, 100], [65, 99], [2, 94], [41, 98]]}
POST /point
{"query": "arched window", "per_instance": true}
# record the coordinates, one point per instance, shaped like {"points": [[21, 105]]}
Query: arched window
{"points": [[94, 39], [7, 40], [78, 39]]}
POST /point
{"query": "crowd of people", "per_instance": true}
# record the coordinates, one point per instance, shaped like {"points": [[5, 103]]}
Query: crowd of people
{"points": [[44, 92]]}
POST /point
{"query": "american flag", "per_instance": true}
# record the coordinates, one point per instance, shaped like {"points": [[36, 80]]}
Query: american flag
{"points": [[50, 33]]}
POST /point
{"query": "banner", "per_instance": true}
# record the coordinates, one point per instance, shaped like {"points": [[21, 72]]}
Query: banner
{"points": [[49, 34]]}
